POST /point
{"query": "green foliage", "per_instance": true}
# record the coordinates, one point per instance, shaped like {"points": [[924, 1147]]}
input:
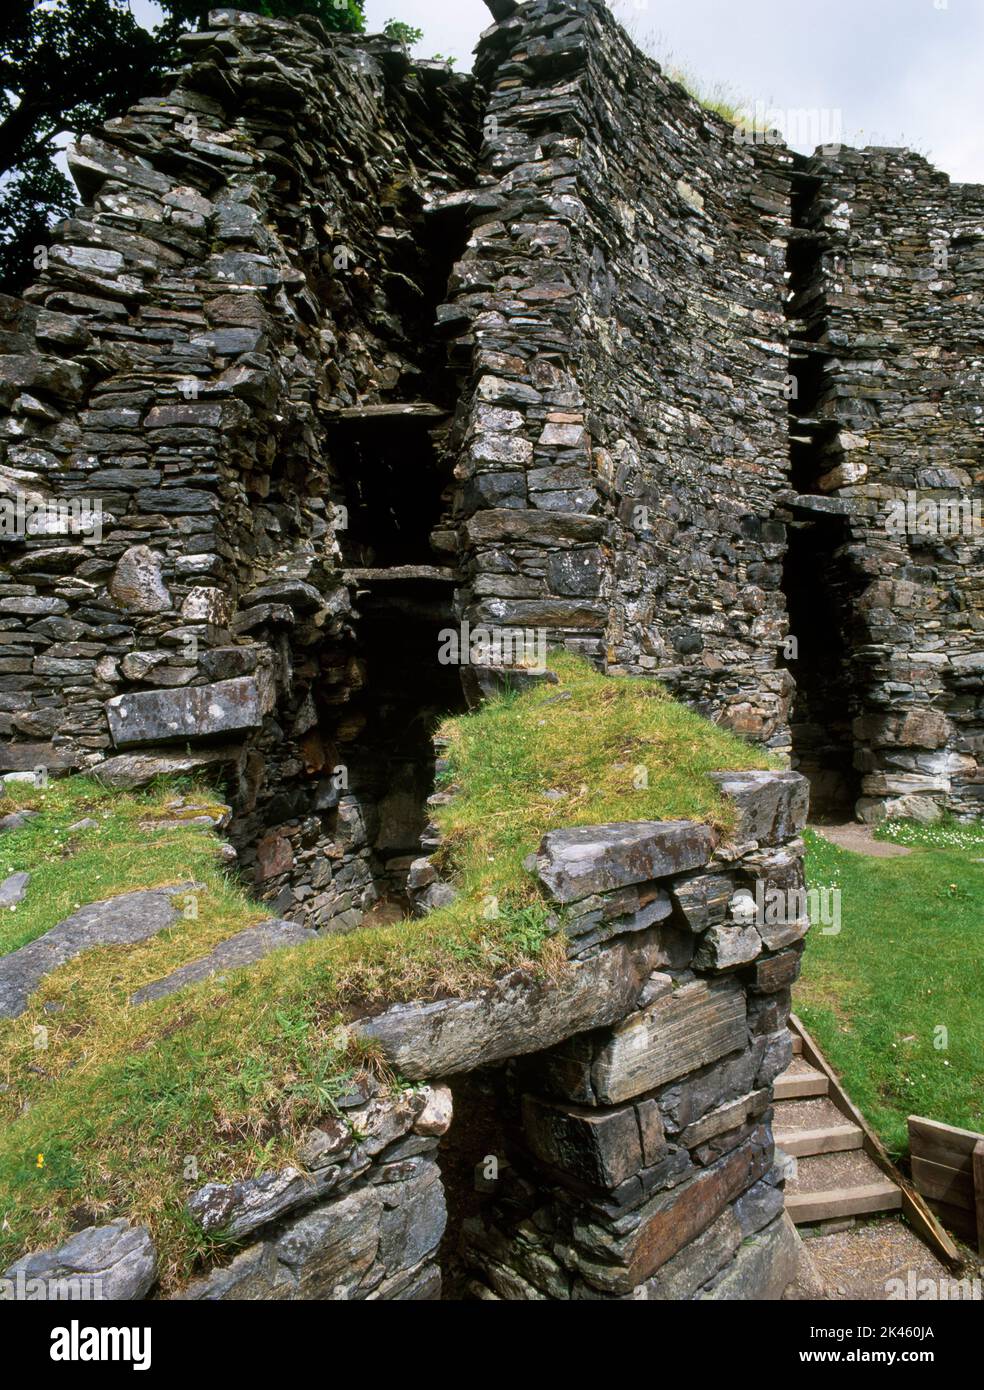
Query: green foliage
{"points": [[896, 999], [406, 34], [65, 67], [342, 16]]}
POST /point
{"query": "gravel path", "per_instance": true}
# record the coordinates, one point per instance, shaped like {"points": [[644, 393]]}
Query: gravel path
{"points": [[863, 1262], [860, 839]]}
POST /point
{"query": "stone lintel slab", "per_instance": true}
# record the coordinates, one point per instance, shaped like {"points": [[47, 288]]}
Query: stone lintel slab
{"points": [[572, 864], [516, 1015], [192, 712]]}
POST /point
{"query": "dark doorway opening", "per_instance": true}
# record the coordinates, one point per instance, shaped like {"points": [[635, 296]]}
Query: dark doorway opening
{"points": [[391, 459], [817, 587], [399, 556]]}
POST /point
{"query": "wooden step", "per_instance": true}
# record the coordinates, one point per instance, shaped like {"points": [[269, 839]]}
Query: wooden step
{"points": [[800, 1079], [797, 1044], [803, 1128], [839, 1184]]}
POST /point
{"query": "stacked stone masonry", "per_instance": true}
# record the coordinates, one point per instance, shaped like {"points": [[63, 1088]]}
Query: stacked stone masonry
{"points": [[888, 275], [631, 1102], [349, 348]]}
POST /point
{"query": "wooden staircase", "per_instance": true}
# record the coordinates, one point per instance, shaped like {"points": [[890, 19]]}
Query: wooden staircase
{"points": [[834, 1177]]}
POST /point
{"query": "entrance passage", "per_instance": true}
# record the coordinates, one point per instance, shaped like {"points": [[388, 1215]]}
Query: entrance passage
{"points": [[399, 562], [816, 585]]}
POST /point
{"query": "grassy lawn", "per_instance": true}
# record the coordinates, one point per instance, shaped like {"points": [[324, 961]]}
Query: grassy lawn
{"points": [[102, 1121], [896, 999]]}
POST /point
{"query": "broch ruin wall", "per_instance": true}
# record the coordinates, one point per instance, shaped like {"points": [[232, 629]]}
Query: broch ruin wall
{"points": [[344, 351]]}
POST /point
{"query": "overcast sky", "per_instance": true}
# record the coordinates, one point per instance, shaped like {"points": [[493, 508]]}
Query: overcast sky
{"points": [[898, 72]]}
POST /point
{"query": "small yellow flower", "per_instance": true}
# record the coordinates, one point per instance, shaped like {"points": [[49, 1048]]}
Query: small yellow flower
{"points": [[40, 1162]]}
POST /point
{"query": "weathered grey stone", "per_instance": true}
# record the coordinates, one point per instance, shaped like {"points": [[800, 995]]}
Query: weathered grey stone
{"points": [[201, 711], [412, 1229], [137, 583], [123, 921], [516, 1015], [758, 1206], [327, 1252], [601, 1148], [726, 1117], [727, 946], [764, 1267], [572, 864], [685, 1029], [702, 901], [13, 889], [244, 948], [772, 806], [481, 683], [130, 771], [236, 1209], [254, 1275], [115, 1262], [617, 1262]]}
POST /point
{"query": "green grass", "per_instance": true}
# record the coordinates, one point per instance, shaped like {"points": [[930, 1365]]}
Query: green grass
{"points": [[103, 1120], [904, 976]]}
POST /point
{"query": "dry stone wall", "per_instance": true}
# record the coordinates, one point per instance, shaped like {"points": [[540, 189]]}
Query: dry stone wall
{"points": [[246, 275], [631, 1145], [888, 270], [620, 310], [340, 351]]}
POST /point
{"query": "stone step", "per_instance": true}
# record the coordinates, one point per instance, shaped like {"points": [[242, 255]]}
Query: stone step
{"points": [[837, 1185], [800, 1079], [813, 1126]]}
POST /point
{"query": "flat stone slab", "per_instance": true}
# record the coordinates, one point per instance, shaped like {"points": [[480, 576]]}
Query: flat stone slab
{"points": [[772, 806], [131, 770], [684, 1029], [245, 948], [516, 1015], [572, 864], [115, 1262], [192, 712], [122, 921]]}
